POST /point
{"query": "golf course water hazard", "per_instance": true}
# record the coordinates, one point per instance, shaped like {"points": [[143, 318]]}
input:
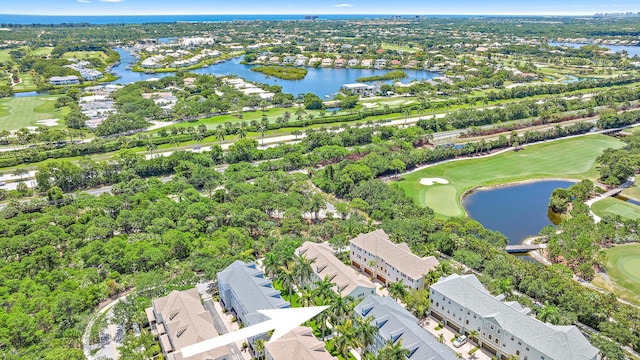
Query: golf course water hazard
{"points": [[518, 211]]}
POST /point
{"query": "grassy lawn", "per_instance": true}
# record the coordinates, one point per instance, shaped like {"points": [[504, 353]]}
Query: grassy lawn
{"points": [[568, 158], [388, 46], [18, 112], [623, 267], [285, 294], [83, 55], [615, 206]]}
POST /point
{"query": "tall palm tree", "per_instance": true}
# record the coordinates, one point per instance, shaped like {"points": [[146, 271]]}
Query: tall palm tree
{"points": [[323, 316], [397, 290], [220, 133], [346, 338], [288, 277], [366, 333], [151, 147], [242, 132], [263, 129], [324, 289], [303, 269], [306, 297], [393, 351], [341, 308], [271, 264]]}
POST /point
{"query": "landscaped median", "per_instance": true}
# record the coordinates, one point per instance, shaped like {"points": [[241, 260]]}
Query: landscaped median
{"points": [[572, 158]]}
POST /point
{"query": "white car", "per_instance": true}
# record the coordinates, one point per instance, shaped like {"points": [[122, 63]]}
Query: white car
{"points": [[459, 341]]}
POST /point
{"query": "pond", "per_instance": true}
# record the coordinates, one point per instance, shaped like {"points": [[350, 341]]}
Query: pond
{"points": [[320, 81], [518, 211]]}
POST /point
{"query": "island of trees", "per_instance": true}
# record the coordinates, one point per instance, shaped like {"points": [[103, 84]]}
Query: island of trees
{"points": [[282, 72], [391, 75]]}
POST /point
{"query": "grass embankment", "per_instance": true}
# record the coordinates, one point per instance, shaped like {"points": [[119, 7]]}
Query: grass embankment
{"points": [[282, 72], [391, 75], [613, 206], [19, 112], [623, 267], [567, 158]]}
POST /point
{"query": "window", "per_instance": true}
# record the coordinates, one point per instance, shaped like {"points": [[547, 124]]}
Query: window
{"points": [[496, 340], [511, 338], [467, 322], [518, 352], [527, 349], [491, 327], [490, 336]]}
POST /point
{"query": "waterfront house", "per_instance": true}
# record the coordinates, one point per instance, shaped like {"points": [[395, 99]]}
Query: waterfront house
{"points": [[300, 344]]}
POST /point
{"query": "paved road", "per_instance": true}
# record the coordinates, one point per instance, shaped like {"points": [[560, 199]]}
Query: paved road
{"points": [[222, 329]]}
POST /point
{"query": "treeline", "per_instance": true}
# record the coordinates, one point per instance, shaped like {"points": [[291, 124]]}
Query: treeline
{"points": [[391, 75], [616, 166]]}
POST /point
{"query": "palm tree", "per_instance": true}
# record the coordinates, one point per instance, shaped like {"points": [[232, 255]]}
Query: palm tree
{"points": [[393, 351], [263, 129], [504, 286], [296, 133], [271, 263], [151, 147], [174, 141], [340, 309], [324, 289], [288, 277], [220, 133], [323, 316], [366, 333], [397, 290], [549, 313], [306, 297], [441, 338], [242, 132], [259, 349], [303, 269], [346, 339], [473, 335]]}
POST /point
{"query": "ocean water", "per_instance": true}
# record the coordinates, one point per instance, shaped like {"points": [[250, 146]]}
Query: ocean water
{"points": [[141, 19]]}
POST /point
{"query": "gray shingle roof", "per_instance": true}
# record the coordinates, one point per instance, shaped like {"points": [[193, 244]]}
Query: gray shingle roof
{"points": [[252, 289], [395, 322], [557, 342]]}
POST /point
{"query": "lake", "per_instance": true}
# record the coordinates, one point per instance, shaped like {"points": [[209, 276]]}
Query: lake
{"points": [[518, 211], [631, 50], [320, 81]]}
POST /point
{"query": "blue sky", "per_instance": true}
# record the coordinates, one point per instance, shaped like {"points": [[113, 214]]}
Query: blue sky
{"points": [[168, 7]]}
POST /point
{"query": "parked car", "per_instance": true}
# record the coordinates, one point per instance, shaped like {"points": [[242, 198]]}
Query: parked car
{"points": [[2, 183], [459, 341]]}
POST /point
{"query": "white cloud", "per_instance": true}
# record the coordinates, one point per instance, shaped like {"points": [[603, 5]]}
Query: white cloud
{"points": [[344, 5], [84, 1]]}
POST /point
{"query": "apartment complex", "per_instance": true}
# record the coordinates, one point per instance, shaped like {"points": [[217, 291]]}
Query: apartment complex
{"points": [[180, 320], [300, 344], [395, 323], [504, 328], [346, 280], [379, 258], [244, 290]]}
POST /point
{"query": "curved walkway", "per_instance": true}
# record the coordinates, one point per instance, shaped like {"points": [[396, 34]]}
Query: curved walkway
{"points": [[86, 343]]}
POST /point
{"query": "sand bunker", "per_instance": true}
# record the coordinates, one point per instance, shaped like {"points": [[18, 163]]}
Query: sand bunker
{"points": [[48, 122], [431, 181]]}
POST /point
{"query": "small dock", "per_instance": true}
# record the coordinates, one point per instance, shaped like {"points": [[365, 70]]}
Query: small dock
{"points": [[524, 248]]}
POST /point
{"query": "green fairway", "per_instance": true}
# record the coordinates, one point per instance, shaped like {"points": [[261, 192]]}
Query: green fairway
{"points": [[615, 206], [83, 55], [18, 112], [568, 158], [623, 266]]}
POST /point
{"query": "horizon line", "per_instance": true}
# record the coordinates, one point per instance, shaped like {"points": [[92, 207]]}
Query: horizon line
{"points": [[334, 14]]}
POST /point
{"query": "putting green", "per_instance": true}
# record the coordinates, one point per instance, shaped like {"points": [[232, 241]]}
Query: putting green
{"points": [[615, 206], [572, 158], [623, 266]]}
